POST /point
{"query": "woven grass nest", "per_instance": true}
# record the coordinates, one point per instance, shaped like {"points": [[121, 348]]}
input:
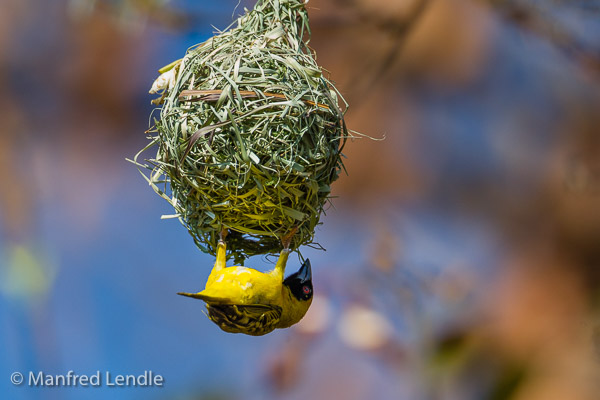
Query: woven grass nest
{"points": [[250, 134]]}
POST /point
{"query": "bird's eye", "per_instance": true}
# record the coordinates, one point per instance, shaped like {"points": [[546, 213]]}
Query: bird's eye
{"points": [[306, 289]]}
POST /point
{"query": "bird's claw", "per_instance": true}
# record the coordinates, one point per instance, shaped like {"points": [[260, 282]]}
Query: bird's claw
{"points": [[223, 235], [287, 239]]}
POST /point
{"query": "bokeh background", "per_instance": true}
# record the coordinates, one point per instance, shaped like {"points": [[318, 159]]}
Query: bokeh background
{"points": [[463, 245]]}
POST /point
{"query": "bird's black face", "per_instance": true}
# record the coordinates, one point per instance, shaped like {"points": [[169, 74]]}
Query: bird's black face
{"points": [[300, 283]]}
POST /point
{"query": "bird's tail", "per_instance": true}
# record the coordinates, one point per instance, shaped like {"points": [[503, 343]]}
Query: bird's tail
{"points": [[205, 298]]}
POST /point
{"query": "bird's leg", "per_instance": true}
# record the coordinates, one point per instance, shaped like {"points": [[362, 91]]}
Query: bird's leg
{"points": [[287, 239], [223, 235], [221, 251], [279, 269]]}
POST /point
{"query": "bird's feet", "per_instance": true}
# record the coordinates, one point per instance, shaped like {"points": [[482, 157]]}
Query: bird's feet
{"points": [[223, 235], [287, 239]]}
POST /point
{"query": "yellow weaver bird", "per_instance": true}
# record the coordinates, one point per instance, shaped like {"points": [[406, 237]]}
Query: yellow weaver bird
{"points": [[244, 300]]}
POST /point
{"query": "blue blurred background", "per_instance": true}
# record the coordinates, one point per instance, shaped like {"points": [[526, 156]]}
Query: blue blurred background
{"points": [[463, 250]]}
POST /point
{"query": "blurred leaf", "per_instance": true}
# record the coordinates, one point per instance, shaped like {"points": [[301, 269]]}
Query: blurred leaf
{"points": [[25, 274]]}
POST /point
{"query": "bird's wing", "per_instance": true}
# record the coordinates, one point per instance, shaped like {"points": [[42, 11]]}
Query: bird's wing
{"points": [[251, 319]]}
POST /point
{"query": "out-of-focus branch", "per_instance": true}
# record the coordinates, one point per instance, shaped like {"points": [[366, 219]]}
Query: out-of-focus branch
{"points": [[400, 30], [533, 18], [397, 27]]}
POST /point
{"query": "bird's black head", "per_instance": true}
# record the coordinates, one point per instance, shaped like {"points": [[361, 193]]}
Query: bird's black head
{"points": [[300, 283]]}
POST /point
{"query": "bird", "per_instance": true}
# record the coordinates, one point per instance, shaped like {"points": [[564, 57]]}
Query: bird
{"points": [[245, 300]]}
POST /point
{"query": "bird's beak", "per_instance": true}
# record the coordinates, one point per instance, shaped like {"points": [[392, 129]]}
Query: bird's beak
{"points": [[194, 295], [305, 272]]}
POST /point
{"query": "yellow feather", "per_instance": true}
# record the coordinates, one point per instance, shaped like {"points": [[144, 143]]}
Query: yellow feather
{"points": [[244, 300]]}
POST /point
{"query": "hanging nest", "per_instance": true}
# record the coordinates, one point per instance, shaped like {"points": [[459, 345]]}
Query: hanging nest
{"points": [[250, 133]]}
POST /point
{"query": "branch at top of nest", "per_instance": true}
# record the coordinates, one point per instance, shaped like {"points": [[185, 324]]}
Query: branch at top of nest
{"points": [[214, 95]]}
